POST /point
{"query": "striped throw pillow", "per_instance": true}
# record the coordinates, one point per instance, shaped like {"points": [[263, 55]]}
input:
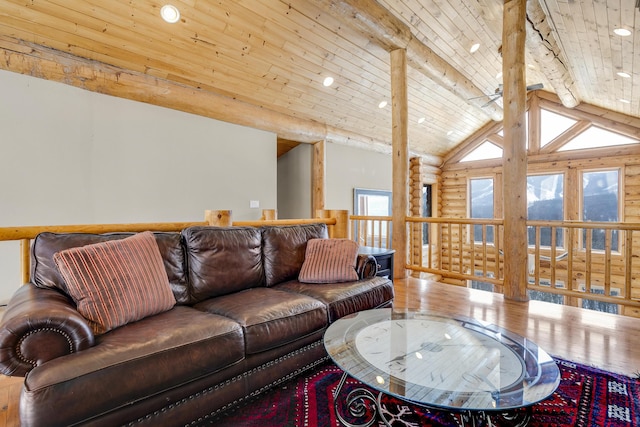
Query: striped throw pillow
{"points": [[329, 261], [116, 282]]}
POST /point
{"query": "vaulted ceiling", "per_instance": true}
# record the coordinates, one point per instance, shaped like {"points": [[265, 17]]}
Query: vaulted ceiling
{"points": [[275, 55]]}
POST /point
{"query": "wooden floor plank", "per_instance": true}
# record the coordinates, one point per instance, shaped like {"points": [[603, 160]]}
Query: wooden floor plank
{"points": [[604, 340]]}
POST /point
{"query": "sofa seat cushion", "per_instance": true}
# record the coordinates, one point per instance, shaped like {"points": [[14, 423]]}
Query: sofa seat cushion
{"points": [[270, 318], [127, 364], [345, 298]]}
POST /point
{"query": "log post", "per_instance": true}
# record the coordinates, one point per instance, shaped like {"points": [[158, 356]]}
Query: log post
{"points": [[269, 214], [318, 176], [342, 227], [400, 159], [218, 218], [514, 155]]}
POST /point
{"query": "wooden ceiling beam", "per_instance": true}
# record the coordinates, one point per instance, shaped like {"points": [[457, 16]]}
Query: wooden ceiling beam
{"points": [[376, 22], [46, 63], [543, 47]]}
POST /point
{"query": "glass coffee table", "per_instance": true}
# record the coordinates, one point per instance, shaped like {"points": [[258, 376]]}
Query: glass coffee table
{"points": [[477, 371]]}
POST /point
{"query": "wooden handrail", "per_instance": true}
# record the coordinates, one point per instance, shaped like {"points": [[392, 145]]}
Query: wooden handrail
{"points": [[328, 221], [30, 232], [336, 220]]}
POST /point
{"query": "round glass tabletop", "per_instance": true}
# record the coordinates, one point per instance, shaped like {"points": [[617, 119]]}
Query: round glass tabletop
{"points": [[440, 361]]}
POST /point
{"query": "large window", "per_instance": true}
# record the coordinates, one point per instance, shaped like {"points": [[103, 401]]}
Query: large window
{"points": [[545, 201], [481, 206], [372, 203], [600, 203]]}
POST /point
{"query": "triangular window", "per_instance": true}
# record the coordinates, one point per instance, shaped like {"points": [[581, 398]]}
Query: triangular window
{"points": [[486, 150], [552, 126], [596, 137]]}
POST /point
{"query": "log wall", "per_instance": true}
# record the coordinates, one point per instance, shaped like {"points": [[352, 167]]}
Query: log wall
{"points": [[455, 191]]}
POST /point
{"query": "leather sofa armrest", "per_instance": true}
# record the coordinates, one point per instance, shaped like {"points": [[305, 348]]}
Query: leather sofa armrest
{"points": [[40, 325], [366, 266]]}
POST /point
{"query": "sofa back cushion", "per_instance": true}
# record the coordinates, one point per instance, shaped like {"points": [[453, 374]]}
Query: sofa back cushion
{"points": [[44, 273], [222, 260], [329, 261], [284, 249]]}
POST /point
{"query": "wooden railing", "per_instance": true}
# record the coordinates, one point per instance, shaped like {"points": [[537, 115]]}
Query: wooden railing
{"points": [[597, 261], [372, 231], [336, 220], [463, 249]]}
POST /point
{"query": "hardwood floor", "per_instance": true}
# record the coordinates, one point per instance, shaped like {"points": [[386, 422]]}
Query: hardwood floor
{"points": [[600, 339]]}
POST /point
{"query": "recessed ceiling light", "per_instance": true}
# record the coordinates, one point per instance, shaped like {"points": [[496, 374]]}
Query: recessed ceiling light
{"points": [[382, 104], [499, 75], [328, 81], [421, 120], [170, 13], [450, 133], [623, 74], [474, 47], [623, 32], [624, 101]]}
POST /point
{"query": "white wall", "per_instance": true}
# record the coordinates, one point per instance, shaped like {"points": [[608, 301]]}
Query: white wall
{"points": [[347, 168], [354, 168], [70, 156], [294, 183]]}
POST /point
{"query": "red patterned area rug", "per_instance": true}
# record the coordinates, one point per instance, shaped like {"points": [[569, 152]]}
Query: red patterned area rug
{"points": [[585, 397]]}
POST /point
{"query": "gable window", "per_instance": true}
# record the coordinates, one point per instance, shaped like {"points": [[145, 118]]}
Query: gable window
{"points": [[553, 126], [600, 203], [596, 137], [486, 150], [481, 206]]}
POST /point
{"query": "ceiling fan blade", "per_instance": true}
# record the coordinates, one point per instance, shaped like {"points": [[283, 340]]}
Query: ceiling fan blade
{"points": [[492, 101], [482, 96], [498, 94]]}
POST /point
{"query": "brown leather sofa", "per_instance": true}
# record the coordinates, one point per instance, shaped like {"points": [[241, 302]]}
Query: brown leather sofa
{"points": [[242, 323]]}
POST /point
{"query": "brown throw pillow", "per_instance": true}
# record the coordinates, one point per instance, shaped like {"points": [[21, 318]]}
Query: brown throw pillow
{"points": [[116, 282], [329, 261]]}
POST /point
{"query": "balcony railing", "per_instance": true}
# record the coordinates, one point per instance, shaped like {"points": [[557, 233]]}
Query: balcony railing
{"points": [[595, 261], [372, 231], [575, 261]]}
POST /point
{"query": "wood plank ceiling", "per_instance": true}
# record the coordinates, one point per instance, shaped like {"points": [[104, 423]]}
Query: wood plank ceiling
{"points": [[276, 54]]}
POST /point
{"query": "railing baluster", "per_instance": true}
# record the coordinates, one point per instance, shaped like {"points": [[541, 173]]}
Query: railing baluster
{"points": [[472, 247], [607, 262], [588, 260], [460, 249], [537, 256], [570, 281], [628, 251], [25, 260]]}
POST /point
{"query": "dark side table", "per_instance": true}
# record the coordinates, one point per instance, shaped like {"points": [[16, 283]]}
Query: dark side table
{"points": [[384, 258]]}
